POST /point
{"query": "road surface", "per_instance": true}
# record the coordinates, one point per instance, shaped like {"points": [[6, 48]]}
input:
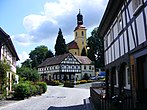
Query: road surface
{"points": [[56, 98]]}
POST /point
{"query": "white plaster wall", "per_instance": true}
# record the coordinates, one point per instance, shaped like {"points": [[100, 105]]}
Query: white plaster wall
{"points": [[140, 29], [131, 42]]}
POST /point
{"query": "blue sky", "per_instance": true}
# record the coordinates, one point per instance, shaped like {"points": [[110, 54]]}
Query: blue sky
{"points": [[31, 23]]}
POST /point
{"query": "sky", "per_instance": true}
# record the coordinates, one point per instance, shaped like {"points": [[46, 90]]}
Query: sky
{"points": [[31, 23]]}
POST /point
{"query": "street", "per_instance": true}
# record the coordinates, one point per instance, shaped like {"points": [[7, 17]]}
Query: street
{"points": [[56, 98]]}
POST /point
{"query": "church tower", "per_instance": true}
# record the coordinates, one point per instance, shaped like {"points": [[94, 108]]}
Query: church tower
{"points": [[80, 33]]}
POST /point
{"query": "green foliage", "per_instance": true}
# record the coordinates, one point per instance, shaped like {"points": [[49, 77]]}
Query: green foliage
{"points": [[28, 73], [43, 86], [37, 56], [22, 90], [83, 53], [4, 68], [60, 46], [27, 89], [96, 48], [27, 63], [49, 54]]}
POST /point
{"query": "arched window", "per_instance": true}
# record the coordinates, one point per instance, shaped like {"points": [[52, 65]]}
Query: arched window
{"points": [[82, 33], [76, 34]]}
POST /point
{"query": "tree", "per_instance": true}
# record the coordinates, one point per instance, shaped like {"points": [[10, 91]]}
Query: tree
{"points": [[27, 63], [96, 48], [60, 46], [49, 54], [28, 73], [38, 55], [83, 53]]}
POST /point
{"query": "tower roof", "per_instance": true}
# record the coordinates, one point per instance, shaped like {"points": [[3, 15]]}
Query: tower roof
{"points": [[79, 18], [79, 21]]}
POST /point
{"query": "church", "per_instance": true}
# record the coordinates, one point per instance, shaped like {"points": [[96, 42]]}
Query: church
{"points": [[79, 43], [69, 65]]}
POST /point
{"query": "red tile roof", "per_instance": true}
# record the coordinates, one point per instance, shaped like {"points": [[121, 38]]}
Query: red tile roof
{"points": [[83, 59], [72, 45]]}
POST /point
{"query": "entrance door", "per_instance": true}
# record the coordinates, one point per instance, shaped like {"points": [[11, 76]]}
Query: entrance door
{"points": [[142, 79]]}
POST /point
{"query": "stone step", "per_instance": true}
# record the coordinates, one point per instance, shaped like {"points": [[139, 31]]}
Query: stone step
{"points": [[88, 105]]}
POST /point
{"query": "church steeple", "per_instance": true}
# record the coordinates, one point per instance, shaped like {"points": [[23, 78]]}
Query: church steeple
{"points": [[79, 18]]}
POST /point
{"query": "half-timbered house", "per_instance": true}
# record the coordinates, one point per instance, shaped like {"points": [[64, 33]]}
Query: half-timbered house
{"points": [[62, 67], [124, 29]]}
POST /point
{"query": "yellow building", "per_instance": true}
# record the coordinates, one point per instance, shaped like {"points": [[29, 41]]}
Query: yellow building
{"points": [[76, 46]]}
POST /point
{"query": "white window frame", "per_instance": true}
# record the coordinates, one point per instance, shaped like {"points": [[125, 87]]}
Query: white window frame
{"points": [[127, 85], [116, 75], [120, 23]]}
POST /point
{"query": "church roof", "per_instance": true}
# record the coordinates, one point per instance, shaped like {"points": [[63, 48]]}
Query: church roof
{"points": [[83, 59], [54, 60], [72, 45]]}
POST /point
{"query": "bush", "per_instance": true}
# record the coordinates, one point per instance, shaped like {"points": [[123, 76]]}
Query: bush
{"points": [[33, 90], [43, 86], [22, 90], [68, 84], [83, 81]]}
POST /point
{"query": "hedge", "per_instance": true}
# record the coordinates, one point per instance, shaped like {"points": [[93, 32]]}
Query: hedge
{"points": [[27, 89]]}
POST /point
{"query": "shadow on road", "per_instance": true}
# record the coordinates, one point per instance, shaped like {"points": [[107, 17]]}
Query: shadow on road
{"points": [[76, 107]]}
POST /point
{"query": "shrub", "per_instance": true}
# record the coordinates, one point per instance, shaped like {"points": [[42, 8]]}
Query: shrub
{"points": [[22, 90], [33, 90], [83, 81], [68, 84], [43, 86]]}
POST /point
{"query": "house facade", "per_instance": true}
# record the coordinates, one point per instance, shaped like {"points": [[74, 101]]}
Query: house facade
{"points": [[87, 68], [8, 54], [124, 29], [62, 67]]}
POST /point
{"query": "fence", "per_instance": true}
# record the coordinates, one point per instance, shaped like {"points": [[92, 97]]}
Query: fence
{"points": [[115, 103]]}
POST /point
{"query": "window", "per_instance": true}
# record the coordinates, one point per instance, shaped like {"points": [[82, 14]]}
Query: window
{"points": [[116, 78], [76, 34], [84, 67], [111, 34], [127, 78], [136, 4], [119, 23], [89, 67], [82, 33]]}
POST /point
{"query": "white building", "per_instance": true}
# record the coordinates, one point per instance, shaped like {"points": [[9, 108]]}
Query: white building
{"points": [[8, 53]]}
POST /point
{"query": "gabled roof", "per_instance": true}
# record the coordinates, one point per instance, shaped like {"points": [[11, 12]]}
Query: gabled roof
{"points": [[54, 60], [83, 59], [72, 45], [6, 40]]}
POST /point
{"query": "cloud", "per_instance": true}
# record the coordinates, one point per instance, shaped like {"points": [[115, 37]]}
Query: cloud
{"points": [[59, 14]]}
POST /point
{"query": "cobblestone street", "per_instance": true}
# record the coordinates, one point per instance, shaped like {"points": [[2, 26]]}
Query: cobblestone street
{"points": [[56, 98]]}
